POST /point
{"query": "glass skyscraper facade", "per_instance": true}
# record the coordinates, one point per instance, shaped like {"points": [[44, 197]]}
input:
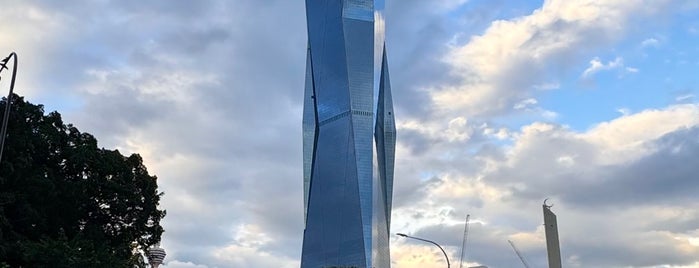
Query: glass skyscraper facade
{"points": [[348, 136]]}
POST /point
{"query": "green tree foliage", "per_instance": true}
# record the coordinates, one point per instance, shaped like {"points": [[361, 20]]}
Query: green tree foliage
{"points": [[64, 202]]}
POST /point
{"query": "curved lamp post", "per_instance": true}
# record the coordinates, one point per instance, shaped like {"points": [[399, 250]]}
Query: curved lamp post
{"points": [[428, 241], [6, 116]]}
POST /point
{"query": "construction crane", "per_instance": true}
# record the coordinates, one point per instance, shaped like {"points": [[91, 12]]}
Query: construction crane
{"points": [[526, 265], [463, 243]]}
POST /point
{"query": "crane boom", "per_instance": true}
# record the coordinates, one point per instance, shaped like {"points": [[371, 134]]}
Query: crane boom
{"points": [[526, 265], [463, 243]]}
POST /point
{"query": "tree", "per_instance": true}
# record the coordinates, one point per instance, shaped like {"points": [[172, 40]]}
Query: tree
{"points": [[64, 202]]}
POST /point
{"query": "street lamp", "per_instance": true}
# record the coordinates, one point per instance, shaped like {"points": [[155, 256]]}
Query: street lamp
{"points": [[428, 241], [6, 116]]}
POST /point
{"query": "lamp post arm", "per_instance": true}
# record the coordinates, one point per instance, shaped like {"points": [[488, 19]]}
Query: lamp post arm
{"points": [[432, 242], [440, 248], [6, 116]]}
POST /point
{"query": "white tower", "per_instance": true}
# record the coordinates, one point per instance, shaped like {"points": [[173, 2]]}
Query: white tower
{"points": [[155, 255]]}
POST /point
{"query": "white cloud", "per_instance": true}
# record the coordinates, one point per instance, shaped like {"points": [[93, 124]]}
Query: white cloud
{"points": [[624, 111], [530, 105], [624, 138], [248, 250], [458, 130], [650, 42], [179, 264], [596, 66], [547, 86], [419, 256], [501, 133], [525, 103], [685, 97], [31, 29], [513, 55]]}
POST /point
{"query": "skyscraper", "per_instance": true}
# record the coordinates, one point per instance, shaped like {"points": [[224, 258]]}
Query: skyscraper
{"points": [[348, 136]]}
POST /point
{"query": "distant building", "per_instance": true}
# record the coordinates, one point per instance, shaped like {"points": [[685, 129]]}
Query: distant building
{"points": [[348, 136], [155, 255]]}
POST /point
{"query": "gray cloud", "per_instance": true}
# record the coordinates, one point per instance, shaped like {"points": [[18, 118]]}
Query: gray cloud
{"points": [[608, 213], [666, 176], [159, 79]]}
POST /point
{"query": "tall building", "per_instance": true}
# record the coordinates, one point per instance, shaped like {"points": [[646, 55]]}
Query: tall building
{"points": [[155, 255], [348, 136], [551, 229]]}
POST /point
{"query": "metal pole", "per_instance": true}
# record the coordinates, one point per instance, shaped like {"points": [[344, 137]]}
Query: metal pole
{"points": [[428, 241], [463, 242], [6, 116]]}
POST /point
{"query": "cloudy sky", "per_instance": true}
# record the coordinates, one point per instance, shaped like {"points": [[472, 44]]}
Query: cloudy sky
{"points": [[499, 105]]}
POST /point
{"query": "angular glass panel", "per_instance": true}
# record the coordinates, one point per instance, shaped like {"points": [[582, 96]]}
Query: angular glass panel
{"points": [[359, 10], [349, 142], [309, 132]]}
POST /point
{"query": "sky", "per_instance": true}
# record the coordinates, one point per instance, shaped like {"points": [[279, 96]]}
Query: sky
{"points": [[499, 105]]}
